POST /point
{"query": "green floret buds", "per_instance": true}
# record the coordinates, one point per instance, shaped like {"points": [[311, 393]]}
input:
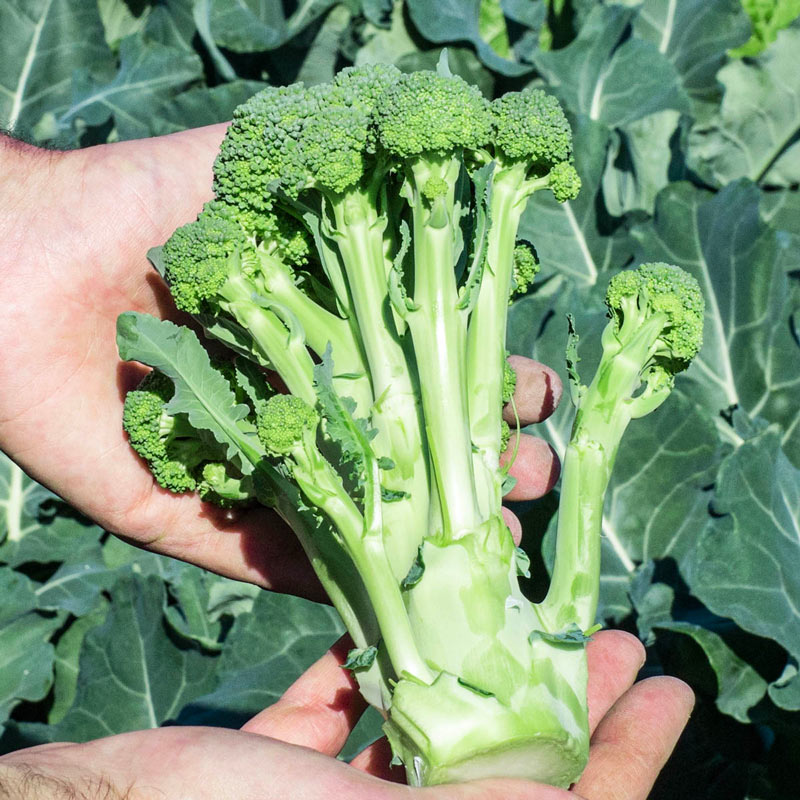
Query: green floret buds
{"points": [[283, 422], [423, 112], [197, 257], [509, 382], [168, 443], [564, 182], [530, 125], [526, 268], [663, 290]]}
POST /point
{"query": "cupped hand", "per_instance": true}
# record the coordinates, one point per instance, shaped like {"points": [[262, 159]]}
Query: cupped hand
{"points": [[289, 750], [75, 229]]}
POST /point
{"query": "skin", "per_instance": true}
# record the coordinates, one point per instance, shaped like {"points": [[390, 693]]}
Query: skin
{"points": [[75, 230], [289, 749]]}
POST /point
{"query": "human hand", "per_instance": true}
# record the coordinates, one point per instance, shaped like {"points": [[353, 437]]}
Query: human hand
{"points": [[289, 749], [75, 230]]}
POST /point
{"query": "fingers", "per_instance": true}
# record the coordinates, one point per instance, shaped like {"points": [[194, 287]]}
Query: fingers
{"points": [[376, 760], [538, 391], [513, 524], [634, 740], [536, 467], [615, 658], [319, 709], [496, 790]]}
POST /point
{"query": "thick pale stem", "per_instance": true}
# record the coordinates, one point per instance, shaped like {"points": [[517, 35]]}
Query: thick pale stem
{"points": [[438, 329], [486, 349], [323, 487], [272, 339], [396, 414]]}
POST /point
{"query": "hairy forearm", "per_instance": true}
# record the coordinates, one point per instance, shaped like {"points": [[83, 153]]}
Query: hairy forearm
{"points": [[27, 782]]}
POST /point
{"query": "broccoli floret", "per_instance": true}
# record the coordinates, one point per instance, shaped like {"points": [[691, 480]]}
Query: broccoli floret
{"points": [[509, 382], [284, 422], [171, 447], [659, 294], [362, 245], [526, 268], [530, 126], [423, 112]]}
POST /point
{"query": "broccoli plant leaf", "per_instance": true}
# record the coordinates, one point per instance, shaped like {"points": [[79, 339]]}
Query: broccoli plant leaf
{"points": [[639, 162], [739, 686], [202, 393], [139, 684], [44, 42], [77, 583], [695, 36], [26, 659], [150, 72], [266, 649], [460, 20], [750, 357], [609, 76], [754, 134], [744, 563]]}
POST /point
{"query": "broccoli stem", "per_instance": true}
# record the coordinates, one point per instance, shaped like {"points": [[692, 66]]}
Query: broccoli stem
{"points": [[323, 487], [396, 415], [486, 349], [438, 330], [604, 412], [271, 338], [321, 328]]}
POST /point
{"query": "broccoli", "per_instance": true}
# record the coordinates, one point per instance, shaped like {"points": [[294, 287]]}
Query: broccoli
{"points": [[362, 245]]}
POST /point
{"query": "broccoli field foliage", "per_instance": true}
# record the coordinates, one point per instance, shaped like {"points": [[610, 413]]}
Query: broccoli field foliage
{"points": [[701, 545]]}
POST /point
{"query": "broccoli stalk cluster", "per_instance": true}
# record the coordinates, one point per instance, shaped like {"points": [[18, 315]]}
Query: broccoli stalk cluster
{"points": [[357, 262]]}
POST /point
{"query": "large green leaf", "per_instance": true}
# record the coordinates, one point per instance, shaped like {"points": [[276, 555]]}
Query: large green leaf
{"points": [[77, 584], [35, 526], [754, 133], [149, 74], [266, 650], [750, 357], [202, 106], [739, 686], [609, 76], [26, 659], [259, 24], [460, 21], [640, 162], [43, 43], [745, 563], [695, 36], [132, 674]]}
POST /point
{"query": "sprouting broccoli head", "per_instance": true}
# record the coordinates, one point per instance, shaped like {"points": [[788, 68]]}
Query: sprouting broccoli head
{"points": [[258, 151], [180, 458], [284, 421], [530, 128], [531, 125], [665, 301], [202, 256], [526, 268]]}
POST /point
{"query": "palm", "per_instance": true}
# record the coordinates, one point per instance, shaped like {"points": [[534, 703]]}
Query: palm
{"points": [[288, 749], [78, 264], [68, 272]]}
